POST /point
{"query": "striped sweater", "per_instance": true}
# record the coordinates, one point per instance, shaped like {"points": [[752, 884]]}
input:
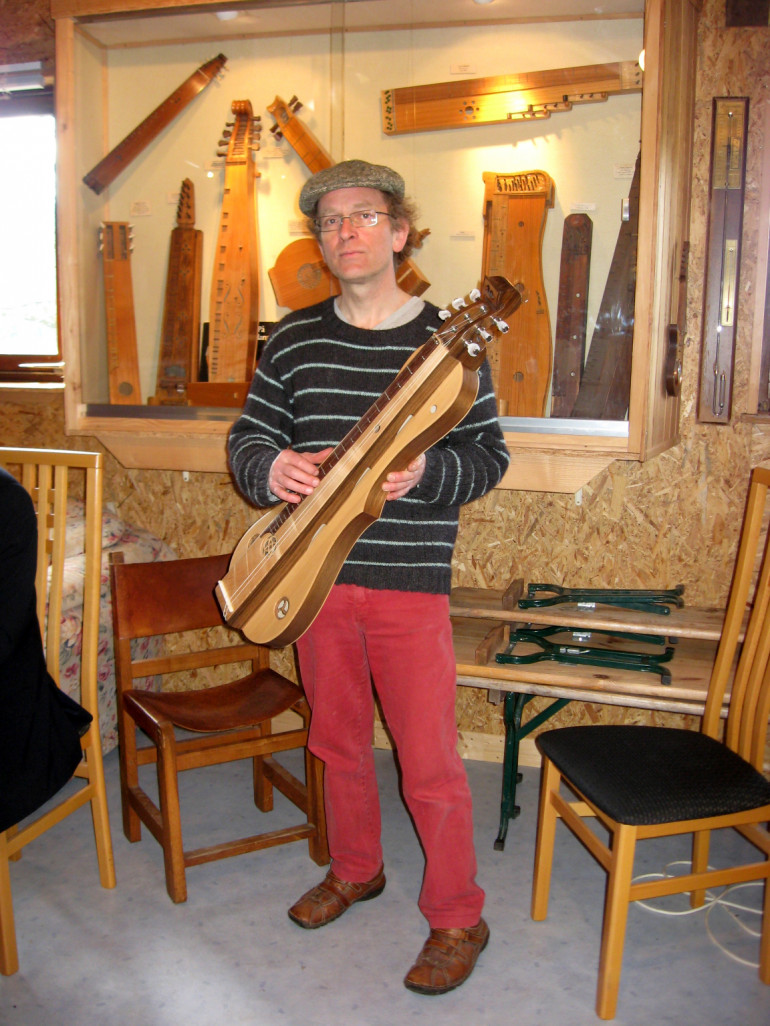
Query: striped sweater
{"points": [[316, 378]]}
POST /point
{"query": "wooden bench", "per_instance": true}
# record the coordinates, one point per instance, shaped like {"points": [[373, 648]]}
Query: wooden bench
{"points": [[481, 621]]}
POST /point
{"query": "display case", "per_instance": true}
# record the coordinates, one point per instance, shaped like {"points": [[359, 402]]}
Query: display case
{"points": [[613, 148]]}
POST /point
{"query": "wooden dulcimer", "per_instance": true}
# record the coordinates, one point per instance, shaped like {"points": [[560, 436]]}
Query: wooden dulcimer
{"points": [[286, 563]]}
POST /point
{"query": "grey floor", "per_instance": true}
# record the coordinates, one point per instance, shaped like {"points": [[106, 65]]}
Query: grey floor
{"points": [[230, 954]]}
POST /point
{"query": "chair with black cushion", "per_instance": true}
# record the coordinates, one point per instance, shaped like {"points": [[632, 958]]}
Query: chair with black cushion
{"points": [[197, 728], [49, 476], [645, 781]]}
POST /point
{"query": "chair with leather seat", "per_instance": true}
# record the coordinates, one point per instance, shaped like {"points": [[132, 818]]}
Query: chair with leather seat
{"points": [[646, 781], [221, 723], [48, 475]]}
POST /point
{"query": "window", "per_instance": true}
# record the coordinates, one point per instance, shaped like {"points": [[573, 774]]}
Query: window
{"points": [[29, 343]]}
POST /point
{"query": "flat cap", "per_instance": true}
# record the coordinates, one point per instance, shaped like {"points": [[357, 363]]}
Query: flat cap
{"points": [[349, 174]]}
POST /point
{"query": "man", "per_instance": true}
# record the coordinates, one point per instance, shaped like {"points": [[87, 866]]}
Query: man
{"points": [[386, 619]]}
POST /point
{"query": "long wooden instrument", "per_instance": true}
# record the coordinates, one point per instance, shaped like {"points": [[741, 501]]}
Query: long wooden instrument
{"points": [[286, 563], [605, 389], [569, 345], [109, 167], [234, 304], [300, 276], [122, 356], [178, 357], [504, 98]]}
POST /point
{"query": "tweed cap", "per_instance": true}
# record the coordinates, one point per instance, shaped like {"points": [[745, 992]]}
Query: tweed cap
{"points": [[349, 174]]}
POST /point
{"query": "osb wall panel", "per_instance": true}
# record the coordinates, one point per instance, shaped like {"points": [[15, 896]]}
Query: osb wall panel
{"points": [[673, 520]]}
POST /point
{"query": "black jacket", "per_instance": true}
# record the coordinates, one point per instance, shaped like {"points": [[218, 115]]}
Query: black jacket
{"points": [[40, 726]]}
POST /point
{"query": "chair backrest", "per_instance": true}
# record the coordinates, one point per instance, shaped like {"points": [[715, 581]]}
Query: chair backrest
{"points": [[50, 476], [174, 597], [749, 709]]}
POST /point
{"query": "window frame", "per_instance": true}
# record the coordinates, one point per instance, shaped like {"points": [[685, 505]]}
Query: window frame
{"points": [[32, 368]]}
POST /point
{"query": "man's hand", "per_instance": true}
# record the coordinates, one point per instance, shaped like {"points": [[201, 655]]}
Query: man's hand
{"points": [[293, 474], [398, 483]]}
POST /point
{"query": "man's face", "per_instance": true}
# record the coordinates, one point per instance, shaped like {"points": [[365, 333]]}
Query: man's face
{"points": [[359, 254]]}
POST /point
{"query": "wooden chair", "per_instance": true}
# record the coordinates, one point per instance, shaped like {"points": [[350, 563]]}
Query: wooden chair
{"points": [[47, 476], [642, 782], [229, 721]]}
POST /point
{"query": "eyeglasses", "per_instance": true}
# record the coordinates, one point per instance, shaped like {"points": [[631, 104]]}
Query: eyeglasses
{"points": [[358, 219]]}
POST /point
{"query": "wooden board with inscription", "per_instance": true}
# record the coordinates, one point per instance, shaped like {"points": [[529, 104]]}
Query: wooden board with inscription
{"points": [[515, 207]]}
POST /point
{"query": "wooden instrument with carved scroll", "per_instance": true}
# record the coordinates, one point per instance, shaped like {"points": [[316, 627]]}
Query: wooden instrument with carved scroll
{"points": [[286, 563], [108, 169], [300, 276], [178, 358], [234, 304], [122, 357], [515, 207]]}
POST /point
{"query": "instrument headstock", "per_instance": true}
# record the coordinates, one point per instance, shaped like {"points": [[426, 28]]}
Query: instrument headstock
{"points": [[241, 135], [472, 326], [185, 211]]}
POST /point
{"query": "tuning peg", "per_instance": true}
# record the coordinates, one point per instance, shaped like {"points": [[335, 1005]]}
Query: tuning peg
{"points": [[220, 153], [474, 295], [230, 124], [226, 133], [501, 326], [485, 334], [444, 315], [473, 348], [257, 120], [459, 303], [294, 104]]}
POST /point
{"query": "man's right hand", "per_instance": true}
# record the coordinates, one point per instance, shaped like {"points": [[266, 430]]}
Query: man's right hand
{"points": [[293, 474]]}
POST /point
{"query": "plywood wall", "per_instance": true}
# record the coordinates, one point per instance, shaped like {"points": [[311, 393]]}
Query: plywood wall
{"points": [[673, 520]]}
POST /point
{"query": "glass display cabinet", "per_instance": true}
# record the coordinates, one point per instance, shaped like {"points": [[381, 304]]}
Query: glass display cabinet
{"points": [[553, 149]]}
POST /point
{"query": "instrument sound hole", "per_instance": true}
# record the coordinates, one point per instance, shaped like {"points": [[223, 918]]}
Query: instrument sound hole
{"points": [[268, 545]]}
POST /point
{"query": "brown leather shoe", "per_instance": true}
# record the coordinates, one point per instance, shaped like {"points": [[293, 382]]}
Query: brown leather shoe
{"points": [[331, 898], [447, 959]]}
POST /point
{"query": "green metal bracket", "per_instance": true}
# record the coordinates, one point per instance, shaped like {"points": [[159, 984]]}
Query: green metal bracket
{"points": [[647, 600]]}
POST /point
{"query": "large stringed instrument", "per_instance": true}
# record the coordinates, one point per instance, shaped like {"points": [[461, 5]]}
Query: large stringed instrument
{"points": [[285, 564]]}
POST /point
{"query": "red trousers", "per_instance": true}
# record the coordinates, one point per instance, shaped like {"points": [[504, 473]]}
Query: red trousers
{"points": [[402, 641]]}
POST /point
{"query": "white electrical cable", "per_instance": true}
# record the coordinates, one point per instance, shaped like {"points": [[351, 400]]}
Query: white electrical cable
{"points": [[712, 901]]}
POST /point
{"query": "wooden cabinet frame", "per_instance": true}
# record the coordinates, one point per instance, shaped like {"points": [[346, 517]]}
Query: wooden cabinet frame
{"points": [[541, 460]]}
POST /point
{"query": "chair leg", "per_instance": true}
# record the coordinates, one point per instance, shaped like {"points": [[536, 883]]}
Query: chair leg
{"points": [[318, 844], [615, 918], [546, 833], [99, 811], [263, 787], [701, 842], [171, 820], [9, 956], [764, 944], [129, 776]]}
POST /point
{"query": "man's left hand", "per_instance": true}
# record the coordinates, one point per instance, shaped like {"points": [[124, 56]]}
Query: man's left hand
{"points": [[399, 482]]}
